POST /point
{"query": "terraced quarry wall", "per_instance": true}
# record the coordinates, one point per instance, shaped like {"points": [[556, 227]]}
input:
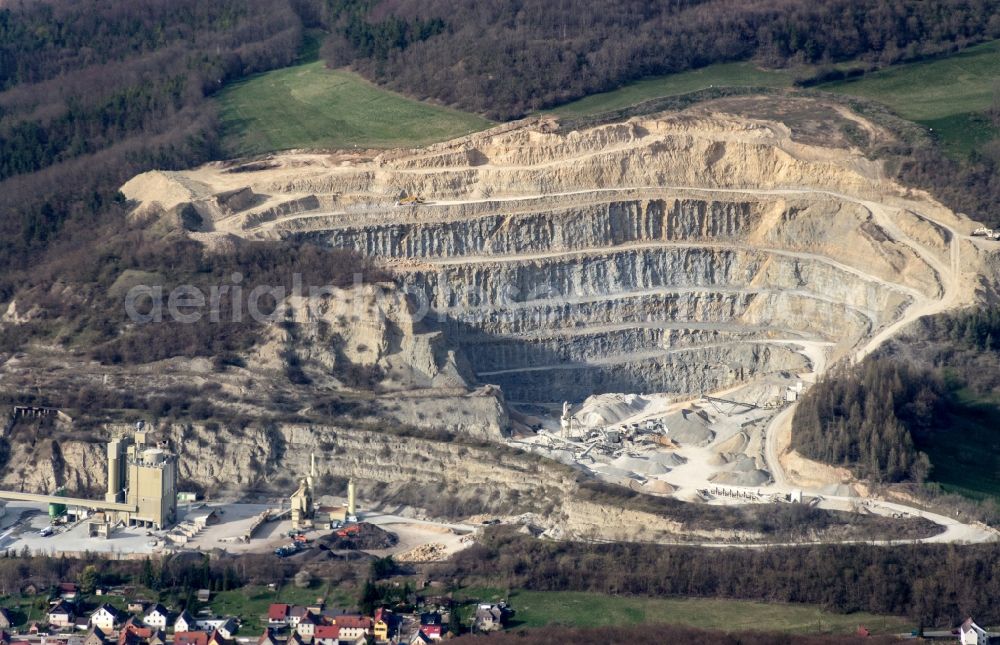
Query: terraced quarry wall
{"points": [[665, 254]]}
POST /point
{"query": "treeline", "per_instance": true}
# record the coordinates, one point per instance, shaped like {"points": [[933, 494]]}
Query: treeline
{"points": [[510, 57], [93, 92], [863, 419], [932, 584], [870, 417]]}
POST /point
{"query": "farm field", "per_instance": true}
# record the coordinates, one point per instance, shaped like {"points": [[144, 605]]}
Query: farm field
{"points": [[949, 94], [310, 106], [582, 609]]}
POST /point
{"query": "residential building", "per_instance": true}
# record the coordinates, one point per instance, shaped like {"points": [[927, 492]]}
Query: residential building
{"points": [[295, 614], [353, 627], [228, 628], [489, 617], [190, 638], [267, 638], [380, 626], [95, 637], [185, 622], [420, 638], [106, 618], [68, 591], [431, 625], [326, 635], [969, 633], [277, 615], [158, 617], [307, 626], [62, 615]]}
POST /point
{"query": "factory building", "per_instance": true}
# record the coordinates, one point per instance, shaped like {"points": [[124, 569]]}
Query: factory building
{"points": [[143, 476], [141, 491], [304, 512]]}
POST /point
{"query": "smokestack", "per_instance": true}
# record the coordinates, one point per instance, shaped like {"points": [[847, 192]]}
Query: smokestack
{"points": [[351, 511]]}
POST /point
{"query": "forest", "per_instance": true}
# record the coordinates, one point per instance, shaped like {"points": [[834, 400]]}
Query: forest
{"points": [[871, 417], [93, 92], [511, 57], [932, 584]]}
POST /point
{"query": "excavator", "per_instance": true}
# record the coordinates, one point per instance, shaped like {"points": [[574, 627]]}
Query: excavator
{"points": [[411, 200]]}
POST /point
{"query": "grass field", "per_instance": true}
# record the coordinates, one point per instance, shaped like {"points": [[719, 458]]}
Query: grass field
{"points": [[580, 609], [724, 74], [251, 603], [948, 94], [309, 106]]}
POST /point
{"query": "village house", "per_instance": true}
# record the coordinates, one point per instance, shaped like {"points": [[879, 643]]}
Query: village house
{"points": [[95, 637], [969, 633], [157, 617], [185, 623], [190, 638], [132, 633], [295, 614], [6, 619], [489, 617], [67, 591], [381, 624], [106, 618], [228, 628], [307, 626], [267, 638], [420, 638], [326, 635], [353, 627], [277, 615], [430, 625], [61, 615]]}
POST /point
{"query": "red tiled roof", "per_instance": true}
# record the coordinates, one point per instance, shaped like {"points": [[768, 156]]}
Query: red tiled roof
{"points": [[277, 611], [191, 638], [326, 631], [363, 622]]}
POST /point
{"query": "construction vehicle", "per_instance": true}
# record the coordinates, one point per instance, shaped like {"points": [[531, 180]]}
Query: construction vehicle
{"points": [[988, 233], [287, 550], [410, 200], [350, 530]]}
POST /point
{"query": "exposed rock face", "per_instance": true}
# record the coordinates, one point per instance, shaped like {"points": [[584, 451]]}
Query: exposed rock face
{"points": [[676, 253]]}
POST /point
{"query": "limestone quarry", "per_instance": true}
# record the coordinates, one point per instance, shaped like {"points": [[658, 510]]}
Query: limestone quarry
{"points": [[628, 268]]}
